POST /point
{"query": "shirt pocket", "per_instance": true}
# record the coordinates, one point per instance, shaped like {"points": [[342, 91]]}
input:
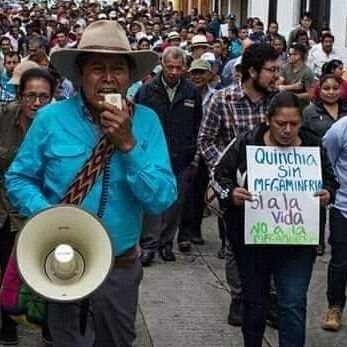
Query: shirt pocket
{"points": [[68, 151], [64, 161]]}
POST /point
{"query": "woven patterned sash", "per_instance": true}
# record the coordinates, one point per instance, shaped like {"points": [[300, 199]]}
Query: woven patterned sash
{"points": [[80, 187], [90, 171]]}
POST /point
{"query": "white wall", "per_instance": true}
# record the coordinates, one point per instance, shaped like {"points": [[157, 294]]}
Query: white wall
{"points": [[288, 15], [338, 24], [259, 8]]}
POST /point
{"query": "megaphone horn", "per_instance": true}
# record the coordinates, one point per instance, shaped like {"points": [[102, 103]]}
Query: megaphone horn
{"points": [[64, 253]]}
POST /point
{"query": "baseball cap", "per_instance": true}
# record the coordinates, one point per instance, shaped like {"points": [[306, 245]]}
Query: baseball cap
{"points": [[200, 64]]}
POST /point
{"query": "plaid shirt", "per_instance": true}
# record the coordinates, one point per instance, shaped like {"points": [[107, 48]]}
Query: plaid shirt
{"points": [[228, 113], [5, 96], [7, 90]]}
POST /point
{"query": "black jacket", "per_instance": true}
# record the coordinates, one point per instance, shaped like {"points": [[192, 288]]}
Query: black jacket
{"points": [[233, 166], [317, 118], [180, 119]]}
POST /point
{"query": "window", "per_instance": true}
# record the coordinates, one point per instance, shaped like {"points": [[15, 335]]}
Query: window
{"points": [[320, 13], [303, 7], [272, 11]]}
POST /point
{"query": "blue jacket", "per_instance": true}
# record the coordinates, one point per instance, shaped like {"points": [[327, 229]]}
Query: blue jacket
{"points": [[59, 142], [180, 118]]}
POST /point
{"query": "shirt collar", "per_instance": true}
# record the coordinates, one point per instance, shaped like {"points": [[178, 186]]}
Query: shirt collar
{"points": [[5, 75], [208, 94], [174, 88], [83, 108], [240, 93]]}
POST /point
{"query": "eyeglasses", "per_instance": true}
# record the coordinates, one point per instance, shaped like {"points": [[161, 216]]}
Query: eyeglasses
{"points": [[32, 97], [273, 69]]}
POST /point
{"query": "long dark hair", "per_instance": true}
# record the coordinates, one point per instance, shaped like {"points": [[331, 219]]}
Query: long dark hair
{"points": [[331, 66], [283, 99]]}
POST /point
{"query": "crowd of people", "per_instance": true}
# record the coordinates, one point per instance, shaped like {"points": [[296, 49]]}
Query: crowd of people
{"points": [[197, 89]]}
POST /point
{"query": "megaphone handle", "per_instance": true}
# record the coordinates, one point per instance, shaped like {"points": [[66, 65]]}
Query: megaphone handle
{"points": [[84, 306]]}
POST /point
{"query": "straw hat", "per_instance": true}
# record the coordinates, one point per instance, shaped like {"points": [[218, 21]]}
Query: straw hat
{"points": [[199, 41], [20, 69], [173, 35], [103, 37], [102, 16], [112, 14]]}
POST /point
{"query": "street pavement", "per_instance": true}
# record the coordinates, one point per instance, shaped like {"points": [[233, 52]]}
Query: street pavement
{"points": [[185, 304]]}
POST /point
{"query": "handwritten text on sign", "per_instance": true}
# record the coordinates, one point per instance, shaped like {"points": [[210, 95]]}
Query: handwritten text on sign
{"points": [[283, 181]]}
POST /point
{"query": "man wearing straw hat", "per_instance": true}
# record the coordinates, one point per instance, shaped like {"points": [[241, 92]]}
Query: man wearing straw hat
{"points": [[62, 138], [199, 46]]}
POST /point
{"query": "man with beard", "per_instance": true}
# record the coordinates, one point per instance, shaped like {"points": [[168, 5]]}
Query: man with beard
{"points": [[230, 111], [322, 53]]}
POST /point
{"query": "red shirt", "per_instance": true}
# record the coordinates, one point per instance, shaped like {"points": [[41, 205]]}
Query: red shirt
{"points": [[344, 90]]}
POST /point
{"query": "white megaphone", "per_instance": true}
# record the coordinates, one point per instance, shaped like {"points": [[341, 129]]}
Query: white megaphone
{"points": [[64, 253]]}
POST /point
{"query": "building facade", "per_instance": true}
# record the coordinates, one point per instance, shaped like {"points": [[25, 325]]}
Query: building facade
{"points": [[286, 12]]}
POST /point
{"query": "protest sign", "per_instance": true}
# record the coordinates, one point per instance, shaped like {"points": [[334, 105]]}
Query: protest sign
{"points": [[283, 181]]}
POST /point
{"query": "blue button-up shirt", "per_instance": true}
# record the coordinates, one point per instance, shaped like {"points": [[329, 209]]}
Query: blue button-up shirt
{"points": [[7, 89], [335, 142], [58, 143]]}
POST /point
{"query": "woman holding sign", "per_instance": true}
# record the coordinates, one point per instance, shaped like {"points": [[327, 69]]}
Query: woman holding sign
{"points": [[291, 265]]}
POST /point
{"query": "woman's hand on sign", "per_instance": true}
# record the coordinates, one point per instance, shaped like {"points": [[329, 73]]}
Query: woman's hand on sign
{"points": [[239, 196], [324, 197]]}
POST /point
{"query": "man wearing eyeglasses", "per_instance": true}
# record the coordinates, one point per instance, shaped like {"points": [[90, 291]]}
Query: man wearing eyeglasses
{"points": [[178, 104], [240, 106]]}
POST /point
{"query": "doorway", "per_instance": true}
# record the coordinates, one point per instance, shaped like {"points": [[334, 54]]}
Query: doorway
{"points": [[272, 11]]}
